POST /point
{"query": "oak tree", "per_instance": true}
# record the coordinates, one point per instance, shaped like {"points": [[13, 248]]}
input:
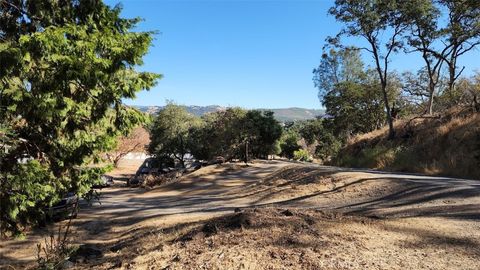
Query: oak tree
{"points": [[381, 24]]}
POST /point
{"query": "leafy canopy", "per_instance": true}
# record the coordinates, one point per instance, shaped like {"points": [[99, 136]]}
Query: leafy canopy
{"points": [[232, 134], [170, 133], [66, 67]]}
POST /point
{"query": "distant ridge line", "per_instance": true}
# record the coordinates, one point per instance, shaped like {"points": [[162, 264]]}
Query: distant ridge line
{"points": [[281, 114]]}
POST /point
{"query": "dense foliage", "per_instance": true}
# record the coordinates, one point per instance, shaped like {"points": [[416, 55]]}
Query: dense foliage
{"points": [[289, 144], [66, 67], [350, 93], [170, 133], [440, 31], [231, 134], [360, 99]]}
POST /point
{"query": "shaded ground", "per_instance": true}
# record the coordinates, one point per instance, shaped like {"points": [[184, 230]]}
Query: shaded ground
{"points": [[337, 219], [271, 238]]}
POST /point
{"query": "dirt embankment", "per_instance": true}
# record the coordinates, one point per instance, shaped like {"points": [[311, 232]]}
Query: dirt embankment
{"points": [[273, 238], [280, 215], [447, 145], [300, 216]]}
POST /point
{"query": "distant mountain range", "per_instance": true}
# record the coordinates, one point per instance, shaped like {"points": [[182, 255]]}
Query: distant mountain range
{"points": [[282, 115]]}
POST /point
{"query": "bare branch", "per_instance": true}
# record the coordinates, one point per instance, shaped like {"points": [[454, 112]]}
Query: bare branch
{"points": [[472, 45], [22, 11]]}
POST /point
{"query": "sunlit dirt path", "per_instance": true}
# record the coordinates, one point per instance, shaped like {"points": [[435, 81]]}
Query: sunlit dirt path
{"points": [[220, 189]]}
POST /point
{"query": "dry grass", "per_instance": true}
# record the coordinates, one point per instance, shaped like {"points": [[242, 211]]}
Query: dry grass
{"points": [[279, 238], [292, 216], [448, 145]]}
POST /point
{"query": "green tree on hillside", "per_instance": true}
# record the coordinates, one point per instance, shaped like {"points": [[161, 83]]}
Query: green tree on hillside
{"points": [[468, 92], [229, 133], [319, 132], [289, 144], [310, 129], [442, 44], [355, 108], [381, 24], [263, 131], [462, 34], [66, 67], [171, 133], [343, 65], [236, 134], [350, 94], [423, 34], [221, 135]]}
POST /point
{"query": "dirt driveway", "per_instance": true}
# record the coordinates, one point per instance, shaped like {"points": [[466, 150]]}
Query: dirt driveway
{"points": [[408, 200], [226, 187]]}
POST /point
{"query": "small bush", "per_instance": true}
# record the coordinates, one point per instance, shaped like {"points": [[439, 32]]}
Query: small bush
{"points": [[328, 147], [55, 250], [150, 180], [301, 155], [289, 144], [377, 157]]}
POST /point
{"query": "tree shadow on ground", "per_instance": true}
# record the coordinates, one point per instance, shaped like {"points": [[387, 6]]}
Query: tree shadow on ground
{"points": [[428, 238]]}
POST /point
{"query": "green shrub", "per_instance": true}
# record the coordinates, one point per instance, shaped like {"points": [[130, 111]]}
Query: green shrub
{"points": [[328, 147], [301, 155], [289, 144], [379, 157]]}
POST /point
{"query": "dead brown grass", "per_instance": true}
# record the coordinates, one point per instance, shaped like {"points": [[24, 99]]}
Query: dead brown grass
{"points": [[441, 145], [279, 238], [292, 216]]}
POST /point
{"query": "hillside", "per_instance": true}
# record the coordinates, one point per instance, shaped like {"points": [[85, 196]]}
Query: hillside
{"points": [[295, 114], [446, 145], [282, 115]]}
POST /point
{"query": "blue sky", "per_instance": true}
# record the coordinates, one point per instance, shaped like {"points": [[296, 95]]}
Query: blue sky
{"points": [[253, 54]]}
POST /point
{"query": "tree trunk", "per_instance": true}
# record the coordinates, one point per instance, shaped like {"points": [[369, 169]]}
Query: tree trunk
{"points": [[476, 104], [246, 152], [431, 90], [430, 105], [182, 163], [116, 160], [391, 130], [451, 81], [383, 80]]}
